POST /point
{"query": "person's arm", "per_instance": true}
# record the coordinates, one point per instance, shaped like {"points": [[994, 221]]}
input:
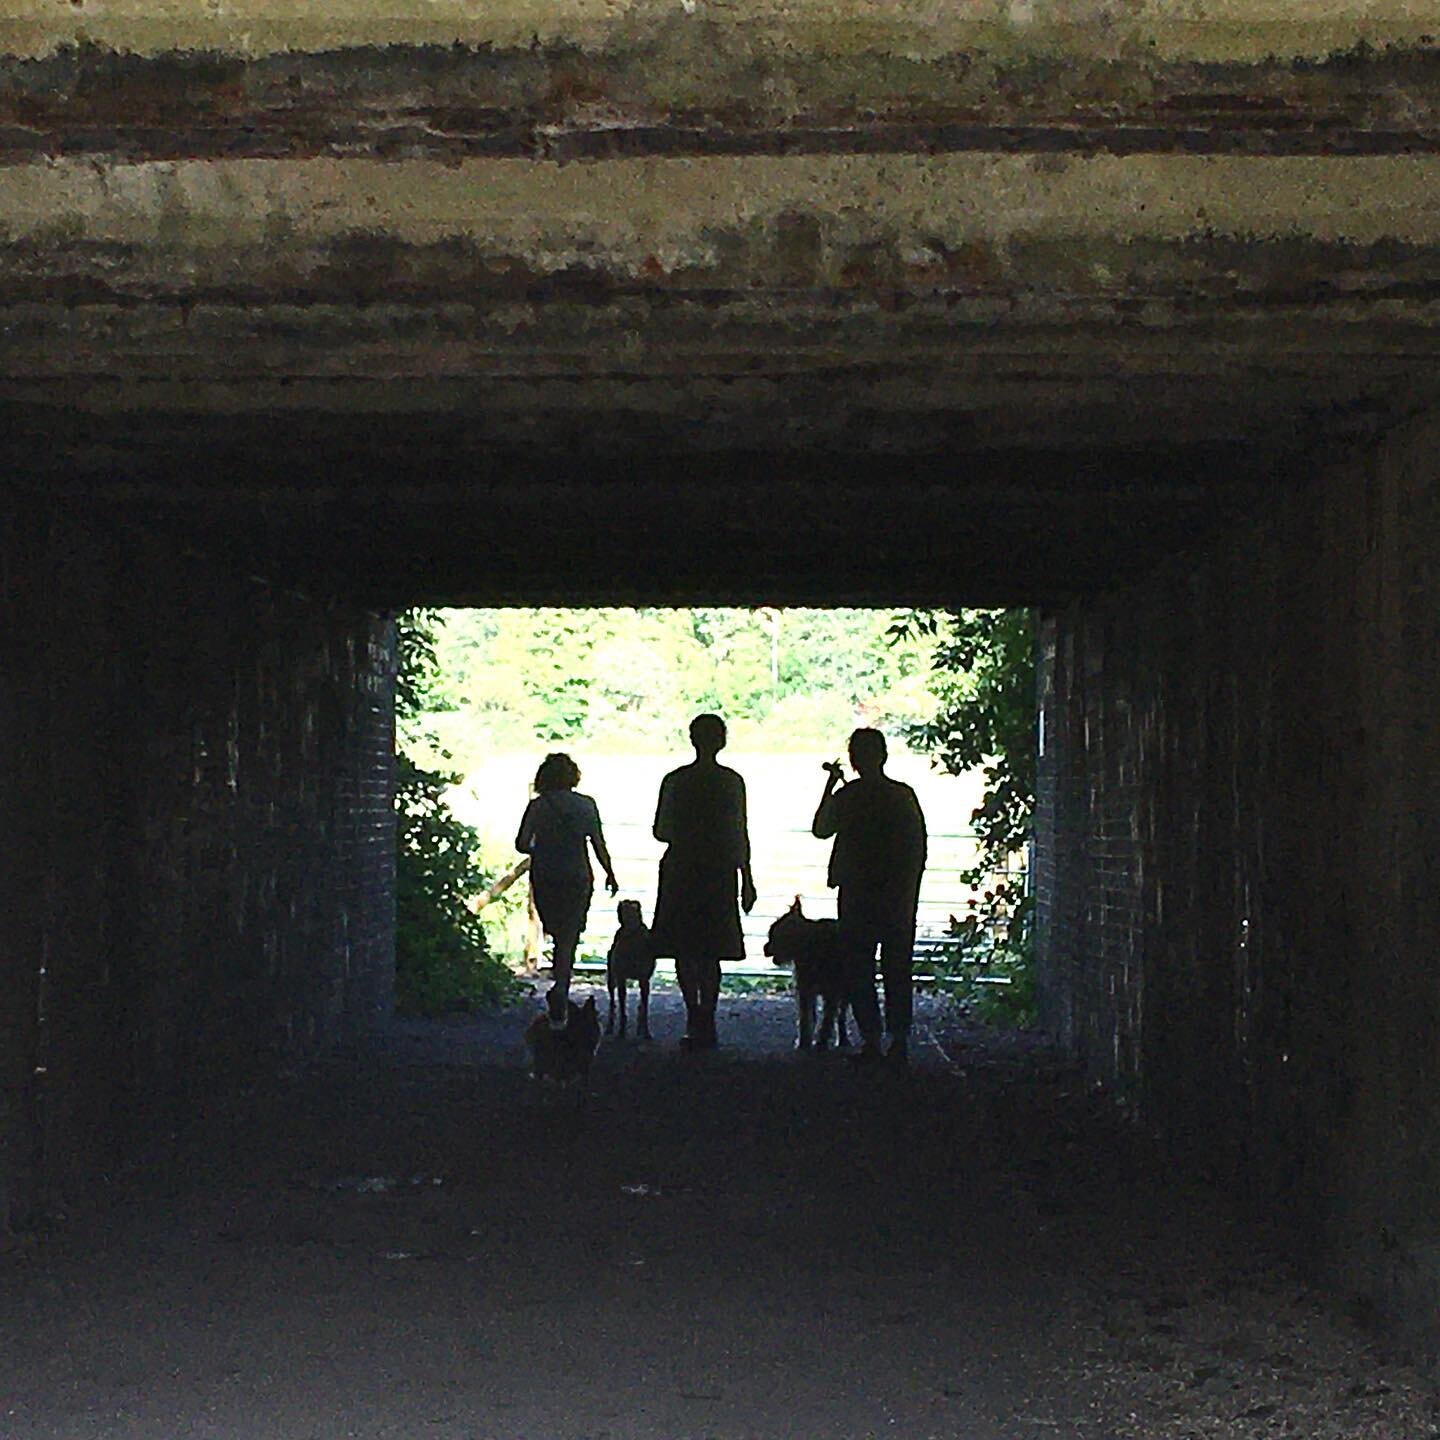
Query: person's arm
{"points": [[747, 878], [602, 854], [664, 827], [826, 820], [525, 836], [919, 841]]}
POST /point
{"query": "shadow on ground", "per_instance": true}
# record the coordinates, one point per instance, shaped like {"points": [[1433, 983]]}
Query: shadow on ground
{"points": [[415, 1239]]}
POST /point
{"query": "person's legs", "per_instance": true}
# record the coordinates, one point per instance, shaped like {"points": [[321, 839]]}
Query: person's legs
{"points": [[896, 966], [686, 978], [567, 920], [857, 946], [708, 985], [642, 1022], [567, 938]]}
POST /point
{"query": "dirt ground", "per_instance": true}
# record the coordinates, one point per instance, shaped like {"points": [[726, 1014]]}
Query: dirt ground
{"points": [[416, 1240]]}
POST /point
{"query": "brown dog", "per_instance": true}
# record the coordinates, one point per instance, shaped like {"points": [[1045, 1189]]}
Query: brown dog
{"points": [[631, 957], [812, 949], [564, 1055]]}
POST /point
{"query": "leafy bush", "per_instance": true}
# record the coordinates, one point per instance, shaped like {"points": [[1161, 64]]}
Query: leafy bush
{"points": [[983, 680], [780, 983], [992, 980], [528, 678], [442, 961]]}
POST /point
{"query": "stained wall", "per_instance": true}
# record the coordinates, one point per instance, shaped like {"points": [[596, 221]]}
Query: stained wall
{"points": [[196, 780], [1238, 884]]}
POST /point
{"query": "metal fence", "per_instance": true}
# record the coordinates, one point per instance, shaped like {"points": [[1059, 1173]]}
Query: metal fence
{"points": [[787, 863]]}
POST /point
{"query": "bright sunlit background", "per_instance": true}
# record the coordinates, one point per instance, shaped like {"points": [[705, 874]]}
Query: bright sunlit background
{"points": [[616, 690]]}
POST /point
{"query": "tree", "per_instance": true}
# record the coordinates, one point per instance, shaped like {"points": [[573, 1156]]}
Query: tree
{"points": [[983, 681], [617, 677], [442, 961]]}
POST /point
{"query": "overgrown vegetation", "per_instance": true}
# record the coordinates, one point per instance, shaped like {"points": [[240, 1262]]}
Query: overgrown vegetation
{"points": [[983, 680], [442, 961], [616, 679], [959, 686]]}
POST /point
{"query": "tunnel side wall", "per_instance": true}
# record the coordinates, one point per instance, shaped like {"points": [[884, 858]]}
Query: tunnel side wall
{"points": [[196, 778], [1238, 887]]}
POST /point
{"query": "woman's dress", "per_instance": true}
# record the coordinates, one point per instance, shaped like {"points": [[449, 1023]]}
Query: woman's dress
{"points": [[701, 817]]}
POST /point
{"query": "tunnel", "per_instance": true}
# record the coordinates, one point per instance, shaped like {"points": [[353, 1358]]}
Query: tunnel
{"points": [[1122, 319]]}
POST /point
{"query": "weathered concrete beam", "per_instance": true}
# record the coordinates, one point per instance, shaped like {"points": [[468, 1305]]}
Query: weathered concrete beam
{"points": [[1099, 389], [1218, 29], [500, 328], [998, 299], [803, 219], [693, 86], [483, 293]]}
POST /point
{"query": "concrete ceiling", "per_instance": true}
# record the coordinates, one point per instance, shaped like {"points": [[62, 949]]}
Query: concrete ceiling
{"points": [[539, 323]]}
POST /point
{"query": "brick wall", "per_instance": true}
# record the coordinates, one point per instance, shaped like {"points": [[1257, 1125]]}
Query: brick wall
{"points": [[1238, 885], [196, 775]]}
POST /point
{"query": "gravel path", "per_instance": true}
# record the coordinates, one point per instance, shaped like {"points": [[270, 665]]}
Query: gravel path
{"points": [[416, 1240]]}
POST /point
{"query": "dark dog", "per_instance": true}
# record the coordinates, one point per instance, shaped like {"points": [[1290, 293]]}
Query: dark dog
{"points": [[812, 949], [564, 1055], [632, 957]]}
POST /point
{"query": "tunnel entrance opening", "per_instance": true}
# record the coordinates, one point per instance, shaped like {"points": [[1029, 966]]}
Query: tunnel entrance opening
{"points": [[615, 689]]}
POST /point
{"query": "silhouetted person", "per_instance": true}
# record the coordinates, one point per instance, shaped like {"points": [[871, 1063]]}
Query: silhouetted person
{"points": [[555, 830], [701, 819], [876, 863]]}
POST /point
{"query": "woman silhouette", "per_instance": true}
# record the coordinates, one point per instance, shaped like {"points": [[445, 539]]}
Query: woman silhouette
{"points": [[554, 832], [701, 819]]}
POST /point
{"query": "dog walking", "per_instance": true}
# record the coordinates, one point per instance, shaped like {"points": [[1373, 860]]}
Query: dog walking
{"points": [[631, 957], [701, 819], [876, 863]]}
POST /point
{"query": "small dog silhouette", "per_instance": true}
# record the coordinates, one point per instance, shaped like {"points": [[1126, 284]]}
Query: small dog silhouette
{"points": [[564, 1055], [632, 957], [812, 949]]}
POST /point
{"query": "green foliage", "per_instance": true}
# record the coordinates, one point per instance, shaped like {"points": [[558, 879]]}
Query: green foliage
{"points": [[630, 679], [442, 962], [983, 665], [780, 983], [983, 681], [995, 984], [417, 671]]}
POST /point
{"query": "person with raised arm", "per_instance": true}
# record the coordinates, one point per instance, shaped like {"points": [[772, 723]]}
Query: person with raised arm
{"points": [[876, 863]]}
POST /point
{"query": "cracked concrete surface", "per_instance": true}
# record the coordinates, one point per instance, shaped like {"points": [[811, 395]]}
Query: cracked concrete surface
{"points": [[1223, 27]]}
